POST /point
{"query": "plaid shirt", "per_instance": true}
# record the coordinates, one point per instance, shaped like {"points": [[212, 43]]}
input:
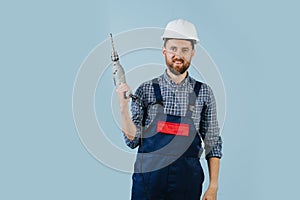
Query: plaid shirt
{"points": [[175, 98]]}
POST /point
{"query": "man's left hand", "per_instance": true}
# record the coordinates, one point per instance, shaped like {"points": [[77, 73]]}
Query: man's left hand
{"points": [[210, 194]]}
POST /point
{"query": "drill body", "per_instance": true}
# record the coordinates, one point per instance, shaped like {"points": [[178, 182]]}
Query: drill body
{"points": [[118, 72]]}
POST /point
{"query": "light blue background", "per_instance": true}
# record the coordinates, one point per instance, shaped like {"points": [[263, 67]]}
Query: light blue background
{"points": [[42, 44]]}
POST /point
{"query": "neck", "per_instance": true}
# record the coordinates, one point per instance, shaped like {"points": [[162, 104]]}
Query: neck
{"points": [[176, 78]]}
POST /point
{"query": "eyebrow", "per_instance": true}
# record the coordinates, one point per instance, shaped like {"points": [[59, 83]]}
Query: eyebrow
{"points": [[178, 47]]}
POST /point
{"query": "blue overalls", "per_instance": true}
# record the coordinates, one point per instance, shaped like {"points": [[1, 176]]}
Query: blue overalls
{"points": [[167, 165]]}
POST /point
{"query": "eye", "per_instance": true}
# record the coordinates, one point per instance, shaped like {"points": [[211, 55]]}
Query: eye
{"points": [[185, 50], [173, 49]]}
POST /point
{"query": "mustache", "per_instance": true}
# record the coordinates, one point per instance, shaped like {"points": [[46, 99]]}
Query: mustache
{"points": [[178, 59]]}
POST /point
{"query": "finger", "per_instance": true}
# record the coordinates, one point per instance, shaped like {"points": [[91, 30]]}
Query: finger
{"points": [[123, 87], [122, 92], [125, 95]]}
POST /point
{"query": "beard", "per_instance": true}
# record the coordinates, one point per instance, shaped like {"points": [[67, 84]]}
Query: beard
{"points": [[177, 66]]}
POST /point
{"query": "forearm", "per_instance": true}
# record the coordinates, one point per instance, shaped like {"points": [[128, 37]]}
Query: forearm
{"points": [[128, 127], [213, 167]]}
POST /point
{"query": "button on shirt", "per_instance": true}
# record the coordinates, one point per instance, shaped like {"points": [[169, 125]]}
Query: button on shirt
{"points": [[175, 99]]}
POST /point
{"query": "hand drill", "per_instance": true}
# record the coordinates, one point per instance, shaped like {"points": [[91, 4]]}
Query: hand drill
{"points": [[118, 71]]}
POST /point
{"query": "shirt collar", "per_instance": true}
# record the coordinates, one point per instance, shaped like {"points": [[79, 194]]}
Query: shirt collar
{"points": [[183, 83]]}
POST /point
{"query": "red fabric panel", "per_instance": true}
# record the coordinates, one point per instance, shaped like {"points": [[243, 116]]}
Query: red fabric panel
{"points": [[173, 128]]}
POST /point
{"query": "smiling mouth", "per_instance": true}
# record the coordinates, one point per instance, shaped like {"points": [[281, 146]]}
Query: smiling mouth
{"points": [[178, 62]]}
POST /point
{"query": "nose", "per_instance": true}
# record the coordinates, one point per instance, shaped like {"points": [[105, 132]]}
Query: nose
{"points": [[178, 55]]}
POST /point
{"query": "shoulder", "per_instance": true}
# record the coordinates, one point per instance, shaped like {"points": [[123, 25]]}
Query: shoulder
{"points": [[206, 89], [205, 92], [145, 86], [145, 89]]}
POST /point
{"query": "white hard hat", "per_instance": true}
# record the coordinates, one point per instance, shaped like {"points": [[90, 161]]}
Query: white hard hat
{"points": [[181, 29]]}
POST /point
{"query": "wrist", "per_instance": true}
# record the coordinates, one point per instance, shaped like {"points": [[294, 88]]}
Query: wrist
{"points": [[124, 109], [213, 186]]}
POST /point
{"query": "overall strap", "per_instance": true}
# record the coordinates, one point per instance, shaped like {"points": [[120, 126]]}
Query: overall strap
{"points": [[157, 91], [192, 99]]}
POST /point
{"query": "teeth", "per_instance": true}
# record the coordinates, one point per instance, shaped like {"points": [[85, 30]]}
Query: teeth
{"points": [[177, 61]]}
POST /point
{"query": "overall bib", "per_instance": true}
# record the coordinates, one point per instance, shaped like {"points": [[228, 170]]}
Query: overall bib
{"points": [[167, 165]]}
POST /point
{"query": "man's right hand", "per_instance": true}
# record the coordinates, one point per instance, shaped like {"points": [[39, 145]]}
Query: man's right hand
{"points": [[128, 126], [121, 90]]}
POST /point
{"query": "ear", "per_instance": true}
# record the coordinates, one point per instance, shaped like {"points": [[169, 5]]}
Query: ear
{"points": [[193, 52], [164, 51]]}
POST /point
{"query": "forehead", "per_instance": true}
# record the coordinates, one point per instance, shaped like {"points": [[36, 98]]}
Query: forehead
{"points": [[178, 43]]}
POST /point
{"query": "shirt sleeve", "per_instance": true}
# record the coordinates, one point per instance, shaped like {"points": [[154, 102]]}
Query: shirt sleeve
{"points": [[209, 128], [137, 113]]}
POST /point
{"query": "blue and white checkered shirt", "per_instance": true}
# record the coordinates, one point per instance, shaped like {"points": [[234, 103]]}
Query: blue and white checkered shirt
{"points": [[175, 98]]}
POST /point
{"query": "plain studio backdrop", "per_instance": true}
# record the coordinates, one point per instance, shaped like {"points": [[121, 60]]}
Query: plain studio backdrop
{"points": [[254, 44]]}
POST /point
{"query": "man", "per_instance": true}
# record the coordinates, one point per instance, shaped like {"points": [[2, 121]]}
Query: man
{"points": [[173, 112]]}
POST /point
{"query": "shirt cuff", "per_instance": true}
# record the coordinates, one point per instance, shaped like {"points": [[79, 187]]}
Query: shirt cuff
{"points": [[132, 143]]}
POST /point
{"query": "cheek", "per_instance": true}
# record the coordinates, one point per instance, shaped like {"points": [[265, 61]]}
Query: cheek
{"points": [[168, 56], [171, 55], [188, 58]]}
